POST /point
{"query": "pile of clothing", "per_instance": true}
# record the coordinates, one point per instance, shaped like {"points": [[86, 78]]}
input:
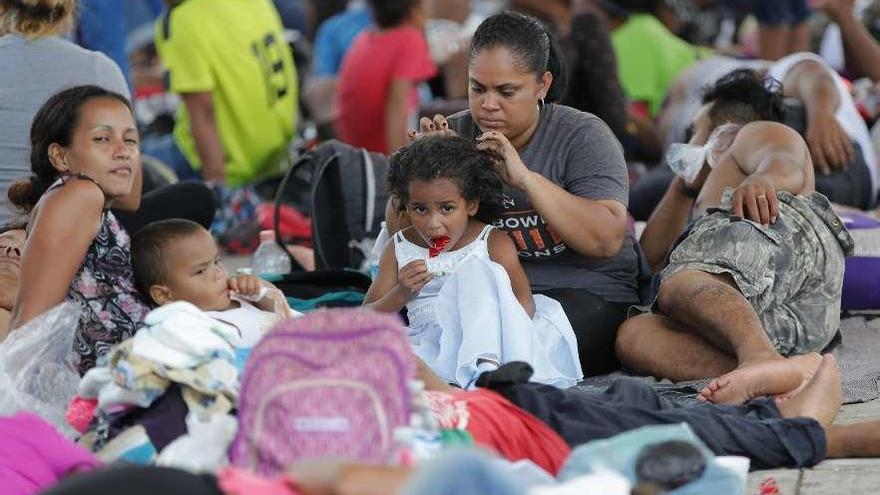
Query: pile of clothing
{"points": [[182, 363]]}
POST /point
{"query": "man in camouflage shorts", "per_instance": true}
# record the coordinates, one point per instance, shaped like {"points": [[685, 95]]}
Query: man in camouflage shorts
{"points": [[791, 271], [751, 292]]}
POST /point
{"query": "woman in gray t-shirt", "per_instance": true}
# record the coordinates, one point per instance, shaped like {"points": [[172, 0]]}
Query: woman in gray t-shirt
{"points": [[566, 180]]}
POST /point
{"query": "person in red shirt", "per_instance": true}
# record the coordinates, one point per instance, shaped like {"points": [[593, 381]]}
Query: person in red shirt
{"points": [[377, 83]]}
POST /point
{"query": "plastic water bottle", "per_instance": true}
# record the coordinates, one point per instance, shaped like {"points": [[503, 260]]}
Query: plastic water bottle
{"points": [[270, 261], [378, 249]]}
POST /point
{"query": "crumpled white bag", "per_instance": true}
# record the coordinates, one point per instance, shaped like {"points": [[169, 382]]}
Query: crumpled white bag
{"points": [[38, 366], [687, 160]]}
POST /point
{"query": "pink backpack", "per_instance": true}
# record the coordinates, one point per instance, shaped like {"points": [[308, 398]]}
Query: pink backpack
{"points": [[332, 383]]}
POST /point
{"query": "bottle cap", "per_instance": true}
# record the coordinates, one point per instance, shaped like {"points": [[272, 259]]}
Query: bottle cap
{"points": [[267, 235]]}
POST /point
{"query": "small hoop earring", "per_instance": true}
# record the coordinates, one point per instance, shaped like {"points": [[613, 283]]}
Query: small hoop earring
{"points": [[542, 101]]}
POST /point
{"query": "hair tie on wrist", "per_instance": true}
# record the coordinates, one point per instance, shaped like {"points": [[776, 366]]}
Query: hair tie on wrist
{"points": [[687, 191]]}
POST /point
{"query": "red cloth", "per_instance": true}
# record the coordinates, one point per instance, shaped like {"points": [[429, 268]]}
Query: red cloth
{"points": [[80, 413], [295, 227], [375, 59], [500, 426]]}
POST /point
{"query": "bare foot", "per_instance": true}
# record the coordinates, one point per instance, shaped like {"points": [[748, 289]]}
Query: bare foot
{"points": [[809, 367], [820, 399], [750, 380]]}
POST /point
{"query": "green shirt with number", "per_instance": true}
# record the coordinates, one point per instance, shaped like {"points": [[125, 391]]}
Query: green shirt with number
{"points": [[236, 50]]}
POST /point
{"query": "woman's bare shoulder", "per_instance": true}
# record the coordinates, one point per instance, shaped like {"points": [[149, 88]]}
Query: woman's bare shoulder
{"points": [[71, 205]]}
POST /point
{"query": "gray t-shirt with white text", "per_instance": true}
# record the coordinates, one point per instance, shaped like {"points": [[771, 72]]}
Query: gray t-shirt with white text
{"points": [[579, 153]]}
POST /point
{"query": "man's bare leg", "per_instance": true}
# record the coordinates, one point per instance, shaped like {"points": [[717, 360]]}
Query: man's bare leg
{"points": [[821, 398], [854, 440], [659, 346], [712, 307]]}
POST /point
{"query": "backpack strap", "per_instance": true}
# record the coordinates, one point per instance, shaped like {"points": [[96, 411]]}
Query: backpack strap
{"points": [[370, 184], [279, 196]]}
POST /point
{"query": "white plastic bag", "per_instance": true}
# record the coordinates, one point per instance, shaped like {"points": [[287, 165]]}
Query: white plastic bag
{"points": [[38, 366], [687, 160]]}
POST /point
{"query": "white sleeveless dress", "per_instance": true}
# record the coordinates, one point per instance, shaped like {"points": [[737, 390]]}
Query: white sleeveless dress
{"points": [[468, 312]]}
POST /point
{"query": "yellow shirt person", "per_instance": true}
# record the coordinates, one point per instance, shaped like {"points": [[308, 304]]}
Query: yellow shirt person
{"points": [[234, 50]]}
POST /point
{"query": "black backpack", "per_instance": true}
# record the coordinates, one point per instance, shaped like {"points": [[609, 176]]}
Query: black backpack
{"points": [[346, 201], [345, 198]]}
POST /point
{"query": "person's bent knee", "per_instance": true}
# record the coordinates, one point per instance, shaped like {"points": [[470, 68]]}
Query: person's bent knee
{"points": [[671, 291], [629, 337], [678, 291]]}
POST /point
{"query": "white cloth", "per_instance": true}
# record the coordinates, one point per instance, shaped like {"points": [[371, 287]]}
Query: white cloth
{"points": [[93, 381], [113, 395], [181, 336], [185, 313], [98, 384], [831, 48], [250, 322], [470, 312]]}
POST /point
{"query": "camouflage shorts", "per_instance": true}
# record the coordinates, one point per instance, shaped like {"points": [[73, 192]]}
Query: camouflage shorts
{"points": [[791, 272]]}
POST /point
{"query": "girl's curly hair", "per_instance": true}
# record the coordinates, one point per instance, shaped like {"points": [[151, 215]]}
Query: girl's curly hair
{"points": [[451, 157]]}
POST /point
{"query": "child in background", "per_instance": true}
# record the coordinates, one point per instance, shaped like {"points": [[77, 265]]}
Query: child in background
{"points": [[467, 297], [377, 82], [178, 260]]}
